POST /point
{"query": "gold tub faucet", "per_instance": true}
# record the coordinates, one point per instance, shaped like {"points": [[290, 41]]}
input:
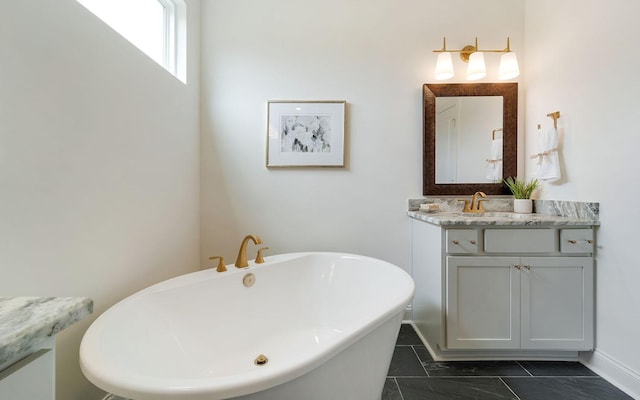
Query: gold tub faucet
{"points": [[241, 260]]}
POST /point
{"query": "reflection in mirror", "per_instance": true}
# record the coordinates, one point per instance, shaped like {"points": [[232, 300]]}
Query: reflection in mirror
{"points": [[470, 137]]}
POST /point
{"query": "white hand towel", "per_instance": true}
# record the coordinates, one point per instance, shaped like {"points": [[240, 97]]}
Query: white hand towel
{"points": [[494, 163], [548, 158]]}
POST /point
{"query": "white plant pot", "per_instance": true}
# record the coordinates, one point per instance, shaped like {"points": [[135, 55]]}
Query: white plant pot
{"points": [[522, 206]]}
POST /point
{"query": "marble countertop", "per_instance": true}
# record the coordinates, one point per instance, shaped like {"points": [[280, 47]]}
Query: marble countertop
{"points": [[500, 213], [499, 219], [26, 321]]}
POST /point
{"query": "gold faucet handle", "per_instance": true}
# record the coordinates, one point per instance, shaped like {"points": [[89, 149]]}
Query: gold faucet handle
{"points": [[259, 258], [466, 205], [221, 267]]}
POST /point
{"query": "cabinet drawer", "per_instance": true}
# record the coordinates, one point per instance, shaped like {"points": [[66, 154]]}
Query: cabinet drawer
{"points": [[576, 241], [520, 240], [462, 241]]}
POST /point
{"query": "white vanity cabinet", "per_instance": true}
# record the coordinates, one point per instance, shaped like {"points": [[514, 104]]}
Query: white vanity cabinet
{"points": [[494, 291]]}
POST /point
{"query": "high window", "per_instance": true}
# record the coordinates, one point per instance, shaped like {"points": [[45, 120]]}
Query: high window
{"points": [[157, 27]]}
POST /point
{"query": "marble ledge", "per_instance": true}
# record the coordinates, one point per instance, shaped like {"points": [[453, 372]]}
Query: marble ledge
{"points": [[500, 213], [27, 321]]}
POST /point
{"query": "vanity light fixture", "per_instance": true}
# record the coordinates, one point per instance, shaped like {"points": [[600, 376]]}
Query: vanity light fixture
{"points": [[476, 69], [473, 55], [444, 66]]}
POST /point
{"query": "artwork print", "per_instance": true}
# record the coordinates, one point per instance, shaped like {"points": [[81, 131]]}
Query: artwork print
{"points": [[305, 133]]}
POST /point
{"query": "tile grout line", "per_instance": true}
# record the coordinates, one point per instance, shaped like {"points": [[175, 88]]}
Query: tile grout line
{"points": [[509, 387], [420, 361], [522, 366], [398, 387]]}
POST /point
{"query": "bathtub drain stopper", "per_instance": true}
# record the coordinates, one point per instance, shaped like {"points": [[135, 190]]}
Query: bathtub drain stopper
{"points": [[261, 360], [248, 280]]}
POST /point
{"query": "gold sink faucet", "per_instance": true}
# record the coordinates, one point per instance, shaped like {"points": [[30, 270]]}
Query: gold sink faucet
{"points": [[476, 203], [241, 260]]}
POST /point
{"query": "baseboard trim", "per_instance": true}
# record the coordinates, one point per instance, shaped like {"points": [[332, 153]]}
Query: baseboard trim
{"points": [[616, 373], [408, 315]]}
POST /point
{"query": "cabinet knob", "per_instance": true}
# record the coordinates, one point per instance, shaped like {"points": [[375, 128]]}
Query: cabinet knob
{"points": [[572, 241], [456, 242], [473, 241], [590, 241], [527, 267], [517, 266]]}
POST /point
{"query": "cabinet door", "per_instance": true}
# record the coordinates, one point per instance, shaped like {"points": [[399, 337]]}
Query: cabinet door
{"points": [[557, 303], [483, 303]]}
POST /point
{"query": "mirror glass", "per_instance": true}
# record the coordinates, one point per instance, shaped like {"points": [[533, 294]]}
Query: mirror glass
{"points": [[470, 137]]}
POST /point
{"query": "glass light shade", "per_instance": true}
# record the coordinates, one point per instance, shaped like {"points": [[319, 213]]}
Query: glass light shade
{"points": [[476, 68], [444, 66], [508, 66]]}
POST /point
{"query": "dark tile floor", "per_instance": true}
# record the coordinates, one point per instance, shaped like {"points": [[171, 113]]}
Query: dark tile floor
{"points": [[413, 375]]}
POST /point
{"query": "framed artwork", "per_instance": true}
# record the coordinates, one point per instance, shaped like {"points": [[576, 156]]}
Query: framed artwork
{"points": [[305, 133]]}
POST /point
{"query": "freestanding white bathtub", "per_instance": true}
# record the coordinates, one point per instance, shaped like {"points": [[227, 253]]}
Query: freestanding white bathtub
{"points": [[326, 322]]}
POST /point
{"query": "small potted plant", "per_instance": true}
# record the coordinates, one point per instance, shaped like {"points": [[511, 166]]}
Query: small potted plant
{"points": [[522, 192]]}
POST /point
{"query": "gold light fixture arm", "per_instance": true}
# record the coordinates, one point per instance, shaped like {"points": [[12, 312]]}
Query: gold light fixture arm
{"points": [[466, 51], [444, 46]]}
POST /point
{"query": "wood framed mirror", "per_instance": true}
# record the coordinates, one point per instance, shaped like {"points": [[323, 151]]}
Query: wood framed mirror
{"points": [[463, 127]]}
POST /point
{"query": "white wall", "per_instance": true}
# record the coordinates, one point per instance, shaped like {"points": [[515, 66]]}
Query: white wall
{"points": [[99, 146], [375, 54], [99, 165], [581, 61]]}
